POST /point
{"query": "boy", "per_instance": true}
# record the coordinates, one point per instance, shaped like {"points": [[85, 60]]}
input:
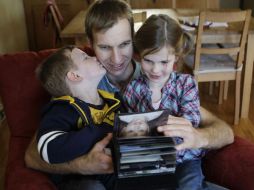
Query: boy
{"points": [[78, 115]]}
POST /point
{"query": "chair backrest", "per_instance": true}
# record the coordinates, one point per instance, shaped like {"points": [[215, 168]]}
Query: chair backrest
{"points": [[55, 19], [196, 4], [56, 15], [139, 16], [241, 16]]}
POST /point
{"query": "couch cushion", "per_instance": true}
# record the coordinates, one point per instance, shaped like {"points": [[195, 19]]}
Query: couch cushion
{"points": [[18, 176], [231, 166], [21, 93]]}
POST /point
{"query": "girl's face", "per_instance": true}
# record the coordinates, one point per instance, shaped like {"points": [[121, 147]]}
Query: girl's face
{"points": [[158, 66]]}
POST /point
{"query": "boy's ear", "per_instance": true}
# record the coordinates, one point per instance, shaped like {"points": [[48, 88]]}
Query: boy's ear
{"points": [[177, 58], [73, 76]]}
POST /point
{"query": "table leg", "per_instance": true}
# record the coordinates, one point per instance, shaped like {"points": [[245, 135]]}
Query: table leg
{"points": [[247, 77]]}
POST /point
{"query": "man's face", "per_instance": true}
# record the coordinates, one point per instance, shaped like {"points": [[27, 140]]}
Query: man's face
{"points": [[113, 48]]}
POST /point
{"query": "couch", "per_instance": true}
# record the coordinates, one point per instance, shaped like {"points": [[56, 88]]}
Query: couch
{"points": [[23, 97]]}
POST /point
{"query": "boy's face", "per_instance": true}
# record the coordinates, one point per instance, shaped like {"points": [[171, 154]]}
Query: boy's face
{"points": [[87, 67], [113, 48], [158, 66]]}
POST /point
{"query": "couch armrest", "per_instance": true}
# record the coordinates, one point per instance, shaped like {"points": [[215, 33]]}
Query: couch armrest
{"points": [[231, 166], [18, 176]]}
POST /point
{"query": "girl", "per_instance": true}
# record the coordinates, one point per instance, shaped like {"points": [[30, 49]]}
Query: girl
{"points": [[160, 43]]}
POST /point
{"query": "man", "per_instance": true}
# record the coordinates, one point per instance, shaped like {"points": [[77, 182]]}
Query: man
{"points": [[109, 28]]}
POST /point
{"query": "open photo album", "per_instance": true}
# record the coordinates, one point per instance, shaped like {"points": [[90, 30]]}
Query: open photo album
{"points": [[139, 150]]}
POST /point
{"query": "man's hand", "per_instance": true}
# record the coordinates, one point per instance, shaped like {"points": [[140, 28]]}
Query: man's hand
{"points": [[181, 127], [97, 161]]}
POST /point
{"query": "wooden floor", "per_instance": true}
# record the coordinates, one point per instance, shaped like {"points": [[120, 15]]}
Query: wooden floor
{"points": [[225, 111]]}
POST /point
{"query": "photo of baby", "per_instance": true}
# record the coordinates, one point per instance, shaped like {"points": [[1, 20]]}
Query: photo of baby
{"points": [[141, 124]]}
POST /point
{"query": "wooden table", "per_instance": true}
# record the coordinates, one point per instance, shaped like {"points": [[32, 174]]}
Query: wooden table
{"points": [[75, 29]]}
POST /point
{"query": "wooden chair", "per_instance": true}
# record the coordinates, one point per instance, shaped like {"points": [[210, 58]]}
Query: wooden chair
{"points": [[53, 11], [196, 4], [139, 18], [214, 63]]}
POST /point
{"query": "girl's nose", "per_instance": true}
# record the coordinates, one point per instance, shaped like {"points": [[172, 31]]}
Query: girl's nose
{"points": [[156, 68]]}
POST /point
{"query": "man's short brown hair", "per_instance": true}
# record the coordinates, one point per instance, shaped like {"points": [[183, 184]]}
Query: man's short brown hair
{"points": [[103, 14]]}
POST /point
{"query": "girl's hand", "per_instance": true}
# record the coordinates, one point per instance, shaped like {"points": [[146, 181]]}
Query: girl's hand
{"points": [[181, 127]]}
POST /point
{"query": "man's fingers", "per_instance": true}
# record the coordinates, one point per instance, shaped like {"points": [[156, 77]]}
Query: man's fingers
{"points": [[104, 142], [181, 134], [173, 127]]}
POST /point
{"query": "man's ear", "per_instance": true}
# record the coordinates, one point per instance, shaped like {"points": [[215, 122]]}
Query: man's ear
{"points": [[137, 57], [89, 43], [73, 76]]}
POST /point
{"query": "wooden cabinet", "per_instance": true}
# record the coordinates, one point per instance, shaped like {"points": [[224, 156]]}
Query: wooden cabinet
{"points": [[146, 4], [199, 4], [41, 36]]}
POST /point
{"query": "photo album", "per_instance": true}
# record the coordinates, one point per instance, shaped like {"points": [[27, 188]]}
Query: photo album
{"points": [[139, 150]]}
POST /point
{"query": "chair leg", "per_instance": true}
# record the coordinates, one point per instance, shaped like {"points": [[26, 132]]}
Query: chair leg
{"points": [[210, 88], [221, 92], [225, 91], [237, 98]]}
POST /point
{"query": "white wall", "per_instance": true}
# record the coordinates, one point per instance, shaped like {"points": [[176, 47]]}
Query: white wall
{"points": [[13, 34]]}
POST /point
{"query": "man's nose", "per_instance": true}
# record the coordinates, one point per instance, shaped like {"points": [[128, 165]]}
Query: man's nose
{"points": [[116, 56]]}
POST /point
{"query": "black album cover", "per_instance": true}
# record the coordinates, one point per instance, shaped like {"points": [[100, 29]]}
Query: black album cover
{"points": [[139, 150]]}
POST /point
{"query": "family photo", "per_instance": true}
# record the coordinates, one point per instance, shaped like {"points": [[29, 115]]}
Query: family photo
{"points": [[127, 95]]}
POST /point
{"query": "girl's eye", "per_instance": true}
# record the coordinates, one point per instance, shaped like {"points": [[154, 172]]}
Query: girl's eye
{"points": [[147, 61], [164, 62]]}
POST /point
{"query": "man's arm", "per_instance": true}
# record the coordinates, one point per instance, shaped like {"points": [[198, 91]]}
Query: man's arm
{"points": [[213, 133], [95, 162], [217, 132]]}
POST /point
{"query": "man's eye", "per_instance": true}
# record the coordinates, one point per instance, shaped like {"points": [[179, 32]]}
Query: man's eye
{"points": [[104, 47], [125, 44]]}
